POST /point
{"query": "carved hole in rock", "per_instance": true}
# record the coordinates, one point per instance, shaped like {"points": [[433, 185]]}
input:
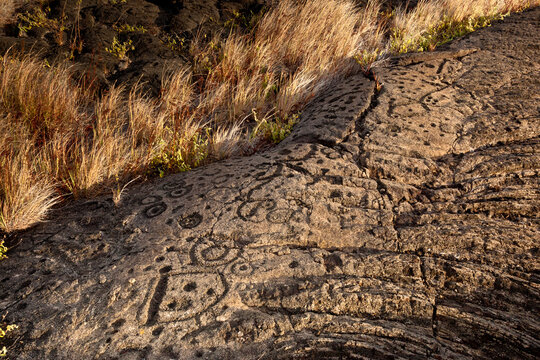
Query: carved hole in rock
{"points": [[157, 331], [190, 286], [242, 269], [172, 305], [118, 323], [165, 269], [210, 292], [159, 259], [294, 264], [25, 284]]}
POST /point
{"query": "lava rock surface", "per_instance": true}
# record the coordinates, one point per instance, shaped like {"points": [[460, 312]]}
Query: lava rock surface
{"points": [[400, 223]]}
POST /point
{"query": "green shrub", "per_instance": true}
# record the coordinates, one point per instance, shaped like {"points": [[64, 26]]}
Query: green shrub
{"points": [[182, 155], [120, 49], [276, 129]]}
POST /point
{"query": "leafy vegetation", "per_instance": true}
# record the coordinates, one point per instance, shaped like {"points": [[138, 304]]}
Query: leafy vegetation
{"points": [[3, 250], [39, 18], [5, 329], [120, 49], [276, 129]]}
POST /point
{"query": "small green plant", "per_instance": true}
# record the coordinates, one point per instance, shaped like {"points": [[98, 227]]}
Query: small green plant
{"points": [[39, 18], [275, 130], [184, 155], [174, 42], [206, 62], [3, 248], [115, 2], [126, 28], [120, 49], [4, 330], [245, 19], [366, 58]]}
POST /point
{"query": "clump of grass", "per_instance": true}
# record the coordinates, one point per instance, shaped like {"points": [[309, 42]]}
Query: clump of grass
{"points": [[296, 49], [434, 22]]}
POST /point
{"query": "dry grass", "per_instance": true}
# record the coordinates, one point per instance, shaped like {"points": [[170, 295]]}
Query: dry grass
{"points": [[8, 8], [297, 49], [434, 22], [57, 137]]}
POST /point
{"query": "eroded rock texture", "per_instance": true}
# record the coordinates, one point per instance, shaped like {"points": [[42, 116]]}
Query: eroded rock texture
{"points": [[393, 224]]}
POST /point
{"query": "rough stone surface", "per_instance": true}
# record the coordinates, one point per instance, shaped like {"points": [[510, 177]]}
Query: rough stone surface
{"points": [[393, 224]]}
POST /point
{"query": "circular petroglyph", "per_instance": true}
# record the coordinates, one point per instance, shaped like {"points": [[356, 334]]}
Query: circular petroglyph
{"points": [[173, 185], [255, 211], [242, 269], [190, 221], [152, 199], [182, 296], [214, 252], [155, 210], [279, 216], [330, 153], [181, 191], [221, 179]]}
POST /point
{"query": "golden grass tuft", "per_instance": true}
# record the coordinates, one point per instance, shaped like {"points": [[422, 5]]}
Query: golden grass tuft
{"points": [[57, 137], [434, 22]]}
